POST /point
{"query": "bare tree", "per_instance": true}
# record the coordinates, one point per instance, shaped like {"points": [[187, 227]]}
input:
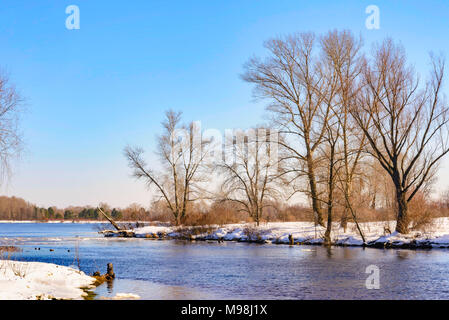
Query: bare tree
{"points": [[333, 159], [250, 179], [343, 61], [11, 107], [404, 123], [182, 152], [380, 187], [291, 79], [135, 212]]}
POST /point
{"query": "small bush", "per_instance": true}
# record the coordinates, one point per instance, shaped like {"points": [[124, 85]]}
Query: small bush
{"points": [[252, 233], [421, 214]]}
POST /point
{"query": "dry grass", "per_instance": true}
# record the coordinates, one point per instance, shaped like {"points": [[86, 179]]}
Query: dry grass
{"points": [[187, 232], [219, 215], [18, 269]]}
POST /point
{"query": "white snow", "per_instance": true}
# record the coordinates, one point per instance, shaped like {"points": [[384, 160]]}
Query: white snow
{"points": [[67, 221], [36, 280], [126, 296], [434, 235], [150, 230]]}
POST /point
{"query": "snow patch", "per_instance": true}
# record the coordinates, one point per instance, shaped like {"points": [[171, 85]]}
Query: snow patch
{"points": [[37, 280]]}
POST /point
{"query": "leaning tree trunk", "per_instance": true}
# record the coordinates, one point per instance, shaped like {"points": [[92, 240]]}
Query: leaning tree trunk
{"points": [[354, 217], [402, 214], [116, 226]]}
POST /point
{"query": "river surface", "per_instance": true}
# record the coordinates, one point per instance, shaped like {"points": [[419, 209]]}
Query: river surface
{"points": [[156, 269]]}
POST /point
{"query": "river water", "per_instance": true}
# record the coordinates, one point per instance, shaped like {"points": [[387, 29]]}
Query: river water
{"points": [[170, 269]]}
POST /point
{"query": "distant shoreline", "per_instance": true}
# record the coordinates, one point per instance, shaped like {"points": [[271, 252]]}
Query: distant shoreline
{"points": [[59, 221]]}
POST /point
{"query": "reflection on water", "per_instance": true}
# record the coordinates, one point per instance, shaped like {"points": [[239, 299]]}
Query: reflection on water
{"points": [[149, 291], [200, 270], [110, 286]]}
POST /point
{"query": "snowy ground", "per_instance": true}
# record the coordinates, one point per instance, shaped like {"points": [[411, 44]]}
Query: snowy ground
{"points": [[62, 221], [36, 280], [376, 233]]}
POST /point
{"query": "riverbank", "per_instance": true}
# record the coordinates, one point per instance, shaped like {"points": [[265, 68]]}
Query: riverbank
{"points": [[41, 281], [63, 221], [377, 234]]}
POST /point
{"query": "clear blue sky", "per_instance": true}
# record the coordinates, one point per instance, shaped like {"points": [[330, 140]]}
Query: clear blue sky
{"points": [[94, 90]]}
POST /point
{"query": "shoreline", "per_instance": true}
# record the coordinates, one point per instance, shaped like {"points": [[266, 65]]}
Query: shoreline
{"points": [[68, 222], [299, 233], [310, 242], [435, 235]]}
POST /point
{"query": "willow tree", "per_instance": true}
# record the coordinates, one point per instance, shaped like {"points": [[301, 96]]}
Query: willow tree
{"points": [[405, 122], [291, 80], [182, 151], [343, 60]]}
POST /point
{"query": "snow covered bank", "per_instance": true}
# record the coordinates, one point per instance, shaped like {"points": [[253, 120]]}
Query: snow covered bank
{"points": [[36, 280], [377, 234], [65, 221]]}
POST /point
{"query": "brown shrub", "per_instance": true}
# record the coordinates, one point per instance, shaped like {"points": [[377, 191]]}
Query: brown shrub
{"points": [[252, 233], [187, 231], [220, 214], [420, 212], [289, 213]]}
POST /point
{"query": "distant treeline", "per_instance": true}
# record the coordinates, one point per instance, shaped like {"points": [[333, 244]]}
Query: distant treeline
{"points": [[13, 208]]}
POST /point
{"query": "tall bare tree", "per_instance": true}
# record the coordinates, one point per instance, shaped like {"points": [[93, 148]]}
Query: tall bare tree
{"points": [[182, 152], [333, 158], [291, 80], [405, 123], [11, 108], [341, 54], [250, 173]]}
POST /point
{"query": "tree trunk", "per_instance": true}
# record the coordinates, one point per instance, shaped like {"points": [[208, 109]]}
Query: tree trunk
{"points": [[177, 219], [314, 193], [373, 202], [327, 234], [330, 199], [116, 226], [345, 215], [344, 219], [402, 214], [257, 217], [354, 217]]}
